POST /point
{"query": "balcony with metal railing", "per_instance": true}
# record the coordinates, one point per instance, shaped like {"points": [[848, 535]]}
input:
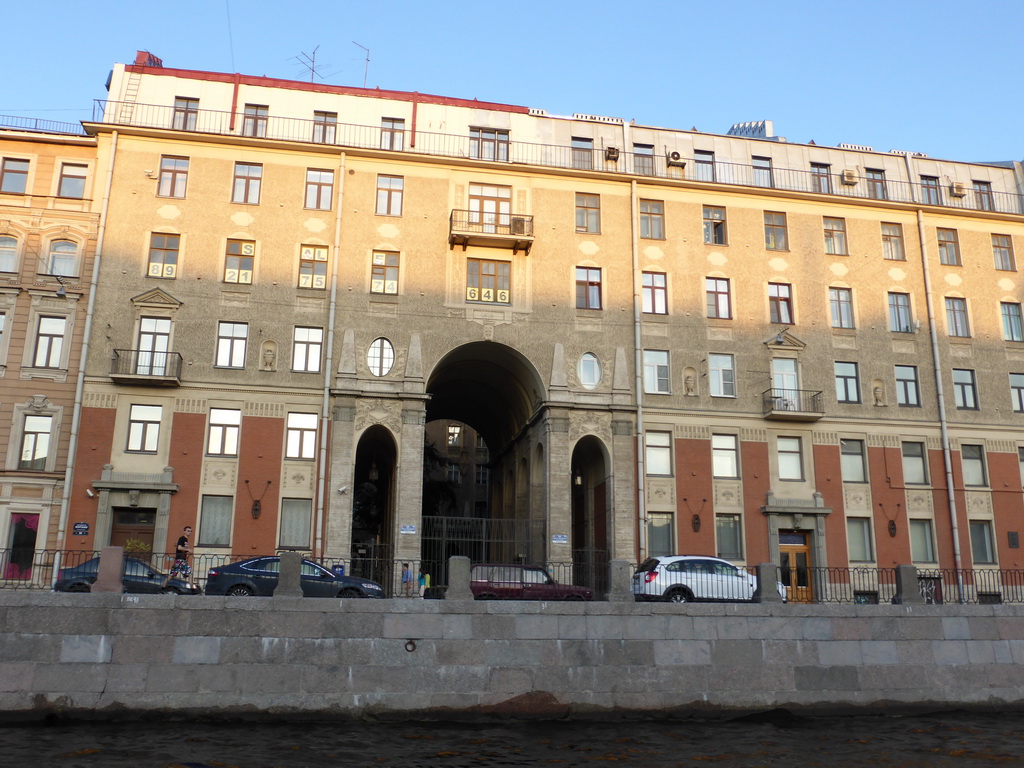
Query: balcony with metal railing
{"points": [[138, 366], [792, 404], [846, 183], [496, 230]]}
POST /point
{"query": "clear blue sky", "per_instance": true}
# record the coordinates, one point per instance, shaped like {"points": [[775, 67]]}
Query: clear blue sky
{"points": [[940, 77]]}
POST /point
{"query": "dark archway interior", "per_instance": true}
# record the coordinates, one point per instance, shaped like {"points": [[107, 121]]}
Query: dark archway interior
{"points": [[372, 498]]}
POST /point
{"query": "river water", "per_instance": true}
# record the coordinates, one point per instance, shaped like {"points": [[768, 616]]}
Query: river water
{"points": [[778, 739]]}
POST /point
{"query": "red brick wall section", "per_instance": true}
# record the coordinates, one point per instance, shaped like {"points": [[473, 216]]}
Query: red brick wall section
{"points": [[188, 445], [1008, 506], [828, 475], [259, 460], [95, 442], [940, 502], [694, 496], [889, 502], [756, 474]]}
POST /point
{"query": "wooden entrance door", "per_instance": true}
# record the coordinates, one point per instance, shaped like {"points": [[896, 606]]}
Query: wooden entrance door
{"points": [[135, 524], [795, 566]]}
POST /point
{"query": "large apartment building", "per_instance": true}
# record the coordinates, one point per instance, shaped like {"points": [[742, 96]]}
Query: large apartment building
{"points": [[668, 341]]}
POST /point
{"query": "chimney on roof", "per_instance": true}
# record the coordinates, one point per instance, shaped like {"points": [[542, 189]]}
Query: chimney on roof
{"points": [[147, 59]]}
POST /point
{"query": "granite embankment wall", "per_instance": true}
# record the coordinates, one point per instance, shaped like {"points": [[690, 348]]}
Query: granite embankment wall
{"points": [[113, 655]]}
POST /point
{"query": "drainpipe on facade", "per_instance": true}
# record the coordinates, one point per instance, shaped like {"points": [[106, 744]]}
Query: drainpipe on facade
{"points": [[641, 500], [940, 397], [325, 415], [76, 418]]}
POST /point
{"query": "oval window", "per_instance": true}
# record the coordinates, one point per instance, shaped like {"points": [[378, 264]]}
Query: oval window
{"points": [[590, 370], [380, 357]]}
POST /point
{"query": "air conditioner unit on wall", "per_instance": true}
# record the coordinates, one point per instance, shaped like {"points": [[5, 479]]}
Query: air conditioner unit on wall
{"points": [[958, 189], [611, 153], [520, 225], [848, 177], [675, 159]]}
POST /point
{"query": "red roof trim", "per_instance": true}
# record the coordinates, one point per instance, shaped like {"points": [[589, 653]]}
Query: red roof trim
{"points": [[295, 85]]}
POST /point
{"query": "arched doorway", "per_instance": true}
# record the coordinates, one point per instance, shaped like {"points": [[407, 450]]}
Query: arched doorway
{"points": [[591, 499], [373, 505]]}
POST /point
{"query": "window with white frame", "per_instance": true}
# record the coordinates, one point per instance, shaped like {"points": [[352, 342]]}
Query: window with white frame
{"points": [[858, 539], [215, 521], [49, 349], [296, 520], [790, 456], [62, 259], [982, 550], [307, 346], [225, 426], [35, 442], [658, 453], [380, 357], [725, 456], [300, 442], [729, 536], [656, 372], [915, 470], [922, 541], [722, 375], [231, 343], [589, 370], [144, 428], [852, 461], [8, 254], [972, 457]]}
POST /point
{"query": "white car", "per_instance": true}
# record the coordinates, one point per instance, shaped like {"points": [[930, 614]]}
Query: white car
{"points": [[686, 578]]}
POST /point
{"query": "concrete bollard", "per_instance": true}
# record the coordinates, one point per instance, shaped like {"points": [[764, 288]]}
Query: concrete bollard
{"points": [[620, 582], [767, 590], [111, 570], [458, 579], [289, 582], [908, 590]]}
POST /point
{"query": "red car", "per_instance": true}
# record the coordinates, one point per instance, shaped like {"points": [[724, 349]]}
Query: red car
{"points": [[521, 582]]}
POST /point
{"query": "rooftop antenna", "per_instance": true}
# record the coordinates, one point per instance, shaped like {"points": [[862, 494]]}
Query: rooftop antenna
{"points": [[308, 60], [366, 69]]}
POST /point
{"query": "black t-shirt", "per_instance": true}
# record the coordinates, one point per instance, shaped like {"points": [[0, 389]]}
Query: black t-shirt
{"points": [[182, 549]]}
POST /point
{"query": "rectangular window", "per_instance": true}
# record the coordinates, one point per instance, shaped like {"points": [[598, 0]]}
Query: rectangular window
{"points": [[652, 219], [588, 288], [661, 539], [238, 262], [775, 231], [13, 176], [154, 343], [981, 542], [931, 192], [841, 303], [49, 350], [858, 539], [915, 471], [144, 428], [900, 319], [390, 191], [8, 254], [215, 521], [488, 282], [296, 519], [851, 454], [248, 178], [956, 317], [63, 258], [163, 256], [847, 383], [780, 303], [949, 247], [703, 165], [313, 266], [307, 345], [718, 298], [655, 293], [1013, 326], [454, 435], [892, 242], [722, 375], [488, 144], [588, 213], [384, 273], [762, 168], [582, 153], [791, 461], [35, 442], [254, 121], [231, 342], [1002, 253], [907, 390], [656, 372], [454, 473], [725, 456], [483, 474], [225, 425], [922, 543], [658, 453], [983, 195], [972, 457], [319, 189], [300, 438], [821, 179], [325, 127], [965, 389], [729, 537], [1017, 392], [392, 133], [714, 225], [835, 236], [643, 159], [876, 183], [72, 181], [186, 112], [173, 177]]}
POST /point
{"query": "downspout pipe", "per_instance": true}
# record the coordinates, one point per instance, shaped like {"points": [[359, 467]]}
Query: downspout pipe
{"points": [[638, 363], [76, 417], [325, 408]]}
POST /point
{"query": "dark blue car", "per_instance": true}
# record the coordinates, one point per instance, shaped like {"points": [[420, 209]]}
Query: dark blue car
{"points": [[259, 575], [139, 578]]}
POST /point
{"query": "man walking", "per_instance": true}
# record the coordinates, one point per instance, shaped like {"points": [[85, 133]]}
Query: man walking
{"points": [[182, 550]]}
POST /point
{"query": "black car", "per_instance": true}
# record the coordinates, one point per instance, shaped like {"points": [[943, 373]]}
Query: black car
{"points": [[258, 576], [139, 578]]}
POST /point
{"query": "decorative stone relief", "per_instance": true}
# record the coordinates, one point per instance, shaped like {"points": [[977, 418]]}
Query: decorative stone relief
{"points": [[1000, 446], [728, 495], [876, 440], [220, 474], [919, 501], [754, 435], [825, 438], [299, 479], [979, 504], [583, 423], [95, 400], [661, 493], [37, 403], [268, 356], [189, 405], [266, 410], [691, 432], [376, 411], [856, 497]]}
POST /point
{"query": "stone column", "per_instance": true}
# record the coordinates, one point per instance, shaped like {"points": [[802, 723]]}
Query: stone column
{"points": [[409, 485], [341, 487], [620, 582], [111, 570], [458, 579], [559, 469], [624, 501], [908, 591], [767, 590]]}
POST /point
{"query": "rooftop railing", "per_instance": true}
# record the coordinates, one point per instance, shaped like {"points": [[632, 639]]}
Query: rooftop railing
{"points": [[41, 126], [840, 183]]}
